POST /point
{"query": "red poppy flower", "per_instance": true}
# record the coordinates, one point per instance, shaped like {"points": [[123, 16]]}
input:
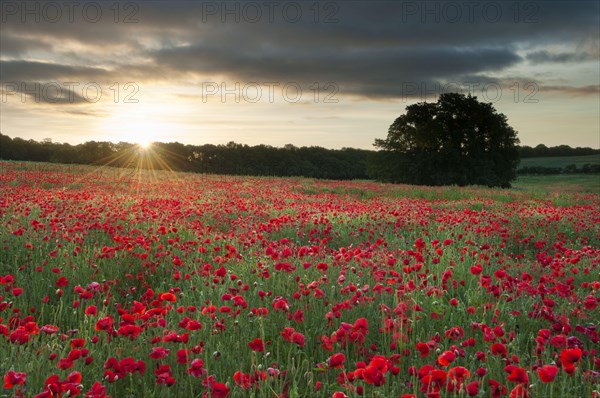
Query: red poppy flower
{"points": [[159, 352], [446, 358], [336, 360], [433, 381], [65, 363], [182, 356], [339, 394], [74, 377], [298, 338], [517, 374], [476, 269], [96, 391], [13, 378], [168, 297], [62, 282], [91, 310], [459, 373], [423, 349], [520, 391], [257, 345], [163, 375], [496, 389], [570, 356], [499, 349], [243, 380], [219, 390], [77, 343], [290, 335], [19, 336], [49, 329], [547, 373], [197, 368], [373, 375], [473, 388], [105, 323], [131, 331]]}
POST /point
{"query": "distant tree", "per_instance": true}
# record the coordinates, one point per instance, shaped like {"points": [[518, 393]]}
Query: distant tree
{"points": [[541, 150], [6, 147], [526, 152], [457, 140]]}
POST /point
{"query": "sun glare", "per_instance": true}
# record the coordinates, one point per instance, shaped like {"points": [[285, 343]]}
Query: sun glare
{"points": [[140, 128], [144, 144]]}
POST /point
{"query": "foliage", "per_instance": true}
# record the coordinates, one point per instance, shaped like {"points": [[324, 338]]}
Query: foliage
{"points": [[233, 158], [456, 141], [542, 150]]}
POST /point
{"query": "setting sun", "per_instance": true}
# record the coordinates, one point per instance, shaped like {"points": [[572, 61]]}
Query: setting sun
{"points": [[141, 127], [145, 145]]}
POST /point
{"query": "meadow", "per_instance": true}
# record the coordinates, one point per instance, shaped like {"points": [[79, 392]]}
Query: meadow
{"points": [[140, 283], [559, 183]]}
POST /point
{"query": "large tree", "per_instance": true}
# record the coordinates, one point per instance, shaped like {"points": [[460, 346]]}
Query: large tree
{"points": [[457, 140]]}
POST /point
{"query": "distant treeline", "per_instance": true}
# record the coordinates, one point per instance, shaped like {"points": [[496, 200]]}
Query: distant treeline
{"points": [[233, 158], [542, 150]]}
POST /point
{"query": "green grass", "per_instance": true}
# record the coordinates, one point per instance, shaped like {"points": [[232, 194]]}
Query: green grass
{"points": [[559, 161], [566, 188], [560, 183], [382, 220]]}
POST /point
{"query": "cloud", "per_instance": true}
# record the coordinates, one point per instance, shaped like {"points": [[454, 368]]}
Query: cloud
{"points": [[52, 93], [22, 70], [575, 91], [366, 72], [368, 48], [540, 57], [19, 45], [87, 113]]}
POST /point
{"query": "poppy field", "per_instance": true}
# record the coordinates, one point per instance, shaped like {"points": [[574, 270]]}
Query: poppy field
{"points": [[160, 284]]}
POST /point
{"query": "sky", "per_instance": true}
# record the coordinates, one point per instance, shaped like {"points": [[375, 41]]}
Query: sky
{"points": [[329, 73]]}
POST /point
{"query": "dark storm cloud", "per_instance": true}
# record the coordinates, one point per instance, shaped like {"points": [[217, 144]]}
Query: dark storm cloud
{"points": [[368, 72], [52, 93], [371, 49], [540, 57], [45, 71], [376, 23], [14, 46], [23, 71]]}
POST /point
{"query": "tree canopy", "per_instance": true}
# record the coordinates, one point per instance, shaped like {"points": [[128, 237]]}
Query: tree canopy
{"points": [[455, 141]]}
